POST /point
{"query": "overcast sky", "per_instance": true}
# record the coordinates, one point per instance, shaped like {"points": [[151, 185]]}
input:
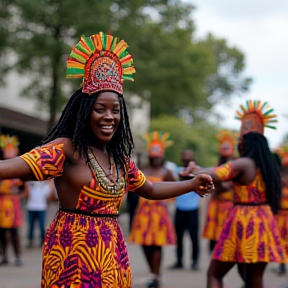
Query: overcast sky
{"points": [[259, 29]]}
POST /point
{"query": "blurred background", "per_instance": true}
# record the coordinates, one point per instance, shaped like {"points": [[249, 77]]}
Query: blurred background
{"points": [[196, 62]]}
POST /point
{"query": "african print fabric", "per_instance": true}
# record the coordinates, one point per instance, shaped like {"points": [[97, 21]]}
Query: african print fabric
{"points": [[152, 223], [282, 220], [85, 250], [209, 230], [10, 207], [250, 233], [217, 211]]}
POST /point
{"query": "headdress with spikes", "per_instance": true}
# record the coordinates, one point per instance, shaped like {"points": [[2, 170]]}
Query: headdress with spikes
{"points": [[157, 142], [227, 140], [7, 141], [255, 116], [102, 61], [283, 154]]}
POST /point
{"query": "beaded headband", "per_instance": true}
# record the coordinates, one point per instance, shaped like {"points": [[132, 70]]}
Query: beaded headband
{"points": [[227, 140], [157, 142], [255, 116], [102, 61]]}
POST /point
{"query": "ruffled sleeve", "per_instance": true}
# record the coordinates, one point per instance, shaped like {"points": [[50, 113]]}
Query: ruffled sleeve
{"points": [[135, 177], [224, 172], [46, 162]]}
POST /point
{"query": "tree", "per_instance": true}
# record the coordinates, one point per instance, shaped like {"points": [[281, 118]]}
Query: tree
{"points": [[43, 32], [229, 63], [5, 17], [172, 68], [200, 138]]}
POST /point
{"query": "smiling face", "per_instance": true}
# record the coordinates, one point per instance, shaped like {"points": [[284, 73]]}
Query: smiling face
{"points": [[105, 116]]}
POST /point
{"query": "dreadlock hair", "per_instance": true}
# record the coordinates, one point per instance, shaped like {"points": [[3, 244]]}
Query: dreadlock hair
{"points": [[278, 162], [255, 146], [74, 123]]}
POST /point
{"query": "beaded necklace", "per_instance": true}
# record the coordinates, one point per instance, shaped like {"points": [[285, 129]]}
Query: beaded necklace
{"points": [[114, 187]]}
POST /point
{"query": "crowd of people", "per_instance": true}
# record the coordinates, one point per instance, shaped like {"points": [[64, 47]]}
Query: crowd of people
{"points": [[85, 164]]}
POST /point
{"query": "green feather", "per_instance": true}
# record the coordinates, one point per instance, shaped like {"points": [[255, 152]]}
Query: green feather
{"points": [[75, 71], [90, 44], [104, 41], [123, 53], [78, 57], [127, 77], [268, 112], [114, 43], [269, 126]]}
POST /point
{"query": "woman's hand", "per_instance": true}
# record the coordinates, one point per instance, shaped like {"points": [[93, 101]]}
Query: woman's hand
{"points": [[202, 184]]}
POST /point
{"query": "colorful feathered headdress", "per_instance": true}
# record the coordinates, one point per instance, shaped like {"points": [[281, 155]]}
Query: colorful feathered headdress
{"points": [[7, 141], [102, 61], [283, 154], [227, 140], [255, 116], [157, 142]]}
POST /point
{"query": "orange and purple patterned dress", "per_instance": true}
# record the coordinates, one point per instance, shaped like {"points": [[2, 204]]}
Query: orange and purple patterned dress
{"points": [[210, 227], [217, 211], [152, 224], [282, 220], [10, 207], [85, 249], [250, 233]]}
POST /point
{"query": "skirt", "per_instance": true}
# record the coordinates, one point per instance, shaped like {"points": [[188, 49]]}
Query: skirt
{"points": [[85, 251], [282, 221], [250, 234], [152, 225]]}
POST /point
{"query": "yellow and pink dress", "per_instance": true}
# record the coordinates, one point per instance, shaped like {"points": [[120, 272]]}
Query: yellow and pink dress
{"points": [[152, 223], [85, 247], [217, 211], [10, 207], [250, 233], [282, 220], [210, 227]]}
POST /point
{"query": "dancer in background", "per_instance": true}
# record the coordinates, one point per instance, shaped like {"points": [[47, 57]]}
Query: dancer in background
{"points": [[11, 191], [152, 226], [282, 215], [221, 202], [88, 154], [250, 237]]}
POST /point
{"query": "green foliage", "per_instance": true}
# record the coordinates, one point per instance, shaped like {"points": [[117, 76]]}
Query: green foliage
{"points": [[173, 70], [229, 63], [199, 137], [5, 17]]}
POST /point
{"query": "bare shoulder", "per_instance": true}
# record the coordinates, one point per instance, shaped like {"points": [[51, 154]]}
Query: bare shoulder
{"points": [[243, 163], [67, 146]]}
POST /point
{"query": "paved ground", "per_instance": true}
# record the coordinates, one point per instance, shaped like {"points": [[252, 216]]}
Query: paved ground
{"points": [[28, 276]]}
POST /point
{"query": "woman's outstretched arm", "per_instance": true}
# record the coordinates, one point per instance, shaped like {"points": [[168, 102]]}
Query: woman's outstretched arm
{"points": [[15, 168], [201, 184], [226, 172]]}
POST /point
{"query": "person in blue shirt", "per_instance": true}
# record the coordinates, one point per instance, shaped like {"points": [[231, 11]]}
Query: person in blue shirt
{"points": [[186, 218]]}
